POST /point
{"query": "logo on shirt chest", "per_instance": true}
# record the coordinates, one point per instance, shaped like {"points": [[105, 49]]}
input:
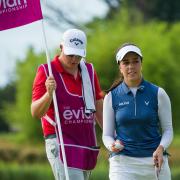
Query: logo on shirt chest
{"points": [[146, 103], [123, 103]]}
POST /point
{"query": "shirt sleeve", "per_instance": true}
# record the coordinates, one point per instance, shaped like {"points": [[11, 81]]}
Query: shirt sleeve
{"points": [[165, 117], [39, 88], [99, 93], [108, 122]]}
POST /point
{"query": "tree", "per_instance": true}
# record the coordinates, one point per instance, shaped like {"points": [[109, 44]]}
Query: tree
{"points": [[7, 95], [157, 9], [62, 18], [113, 7], [20, 116]]}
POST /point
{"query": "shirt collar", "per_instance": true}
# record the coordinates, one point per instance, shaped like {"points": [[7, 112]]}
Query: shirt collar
{"points": [[59, 68], [57, 64], [127, 90]]}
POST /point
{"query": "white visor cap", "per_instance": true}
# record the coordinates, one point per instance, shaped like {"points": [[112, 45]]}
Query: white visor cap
{"points": [[124, 50], [74, 42]]}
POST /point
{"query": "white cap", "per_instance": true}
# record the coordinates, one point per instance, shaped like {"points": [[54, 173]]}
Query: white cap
{"points": [[124, 50], [74, 42]]}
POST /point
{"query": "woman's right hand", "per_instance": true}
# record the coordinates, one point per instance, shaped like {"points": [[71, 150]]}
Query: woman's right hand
{"points": [[158, 157], [50, 85]]}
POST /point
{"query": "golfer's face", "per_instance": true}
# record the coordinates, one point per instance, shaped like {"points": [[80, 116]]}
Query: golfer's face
{"points": [[131, 67]]}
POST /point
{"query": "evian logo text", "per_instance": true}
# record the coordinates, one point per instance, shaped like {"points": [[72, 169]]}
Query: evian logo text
{"points": [[9, 6], [79, 114], [12, 3]]}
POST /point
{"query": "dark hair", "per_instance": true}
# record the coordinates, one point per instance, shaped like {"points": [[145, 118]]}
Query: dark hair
{"points": [[119, 80], [116, 82]]}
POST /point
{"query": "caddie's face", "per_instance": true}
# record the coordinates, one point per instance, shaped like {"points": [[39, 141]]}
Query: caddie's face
{"points": [[71, 61], [131, 69]]}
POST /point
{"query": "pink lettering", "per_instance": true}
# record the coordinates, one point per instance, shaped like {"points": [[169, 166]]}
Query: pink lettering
{"points": [[76, 114], [67, 114], [12, 3]]}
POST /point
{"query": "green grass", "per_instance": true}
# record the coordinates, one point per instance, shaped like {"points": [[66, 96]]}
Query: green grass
{"points": [[18, 139], [101, 172], [176, 141], [25, 172], [13, 171], [175, 173], [23, 169]]}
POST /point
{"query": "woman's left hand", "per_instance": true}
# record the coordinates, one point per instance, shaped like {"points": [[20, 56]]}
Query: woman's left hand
{"points": [[117, 146], [158, 157]]}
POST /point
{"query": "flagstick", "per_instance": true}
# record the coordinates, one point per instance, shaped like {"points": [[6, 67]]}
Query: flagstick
{"points": [[56, 108]]}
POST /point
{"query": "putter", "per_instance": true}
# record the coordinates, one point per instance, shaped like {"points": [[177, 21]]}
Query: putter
{"points": [[157, 171]]}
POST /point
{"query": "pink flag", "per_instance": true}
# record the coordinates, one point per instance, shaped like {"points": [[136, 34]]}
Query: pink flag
{"points": [[14, 13]]}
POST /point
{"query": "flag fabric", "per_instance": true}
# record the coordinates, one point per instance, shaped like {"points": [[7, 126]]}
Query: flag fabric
{"points": [[14, 13]]}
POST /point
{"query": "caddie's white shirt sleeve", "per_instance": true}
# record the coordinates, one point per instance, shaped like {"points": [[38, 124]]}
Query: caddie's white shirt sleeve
{"points": [[108, 122], [165, 117]]}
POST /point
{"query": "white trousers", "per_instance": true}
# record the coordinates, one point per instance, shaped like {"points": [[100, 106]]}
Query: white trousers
{"points": [[131, 168], [52, 151]]}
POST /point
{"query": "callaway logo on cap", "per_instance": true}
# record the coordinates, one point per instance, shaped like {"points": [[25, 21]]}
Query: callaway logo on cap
{"points": [[74, 42]]}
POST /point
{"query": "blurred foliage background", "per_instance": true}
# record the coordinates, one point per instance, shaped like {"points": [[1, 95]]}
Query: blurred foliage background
{"points": [[153, 25]]}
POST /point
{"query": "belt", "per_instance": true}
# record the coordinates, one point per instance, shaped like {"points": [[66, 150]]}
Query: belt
{"points": [[50, 136]]}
